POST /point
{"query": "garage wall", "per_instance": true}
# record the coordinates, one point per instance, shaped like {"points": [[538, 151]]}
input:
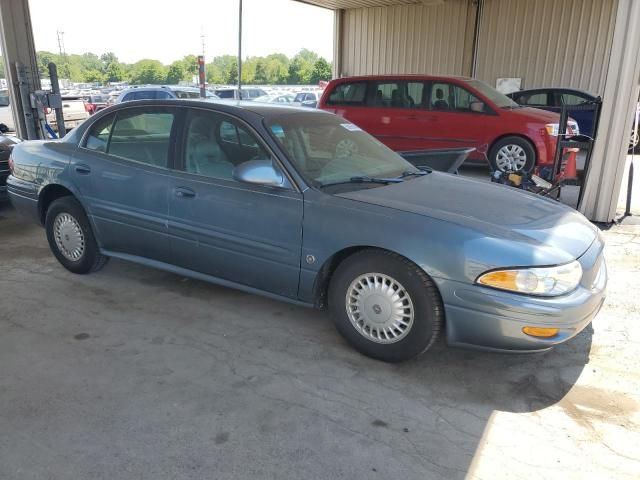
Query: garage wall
{"points": [[407, 39], [546, 42]]}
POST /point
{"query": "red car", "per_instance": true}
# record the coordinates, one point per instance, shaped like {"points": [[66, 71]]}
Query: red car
{"points": [[420, 112]]}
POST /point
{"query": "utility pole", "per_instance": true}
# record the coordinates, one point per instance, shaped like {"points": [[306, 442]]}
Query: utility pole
{"points": [[240, 50]]}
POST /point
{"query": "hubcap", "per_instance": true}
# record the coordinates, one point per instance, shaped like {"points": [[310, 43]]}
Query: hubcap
{"points": [[379, 308], [69, 237], [511, 158]]}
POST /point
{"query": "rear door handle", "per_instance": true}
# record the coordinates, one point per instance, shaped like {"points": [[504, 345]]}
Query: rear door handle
{"points": [[83, 169], [184, 192]]}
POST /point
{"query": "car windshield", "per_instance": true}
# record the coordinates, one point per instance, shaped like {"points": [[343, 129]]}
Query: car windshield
{"points": [[327, 149], [499, 99]]}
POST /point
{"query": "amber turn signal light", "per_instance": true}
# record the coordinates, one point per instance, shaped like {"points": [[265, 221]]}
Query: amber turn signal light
{"points": [[541, 332]]}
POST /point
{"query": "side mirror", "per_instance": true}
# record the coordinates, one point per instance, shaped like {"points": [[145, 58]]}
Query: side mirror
{"points": [[477, 107], [259, 172], [3, 128]]}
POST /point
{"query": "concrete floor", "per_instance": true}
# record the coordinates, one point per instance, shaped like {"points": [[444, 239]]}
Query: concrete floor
{"points": [[132, 373]]}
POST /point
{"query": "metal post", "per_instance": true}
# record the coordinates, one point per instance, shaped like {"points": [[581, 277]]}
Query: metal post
{"points": [[55, 88], [240, 49], [25, 100], [201, 76], [627, 211]]}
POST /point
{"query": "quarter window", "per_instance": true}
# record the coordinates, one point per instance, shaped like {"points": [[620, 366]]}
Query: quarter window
{"points": [[348, 94], [142, 136]]}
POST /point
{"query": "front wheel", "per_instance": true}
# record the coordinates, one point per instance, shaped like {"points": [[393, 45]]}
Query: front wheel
{"points": [[385, 306], [70, 237], [513, 155]]}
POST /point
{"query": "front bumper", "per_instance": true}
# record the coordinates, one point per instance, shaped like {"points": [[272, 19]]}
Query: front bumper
{"points": [[490, 319]]}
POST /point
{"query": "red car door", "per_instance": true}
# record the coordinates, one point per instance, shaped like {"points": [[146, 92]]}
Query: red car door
{"points": [[396, 114], [458, 118]]}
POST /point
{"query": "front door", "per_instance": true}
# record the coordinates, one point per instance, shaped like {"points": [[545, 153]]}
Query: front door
{"points": [[122, 174], [246, 234], [454, 122]]}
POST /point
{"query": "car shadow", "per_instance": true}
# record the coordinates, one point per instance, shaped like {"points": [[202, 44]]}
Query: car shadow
{"points": [[278, 377]]}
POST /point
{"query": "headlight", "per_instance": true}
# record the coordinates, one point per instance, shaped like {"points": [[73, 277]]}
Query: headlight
{"points": [[572, 128], [543, 281], [552, 129]]}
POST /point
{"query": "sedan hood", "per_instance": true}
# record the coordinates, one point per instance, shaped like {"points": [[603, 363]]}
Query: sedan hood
{"points": [[494, 210]]}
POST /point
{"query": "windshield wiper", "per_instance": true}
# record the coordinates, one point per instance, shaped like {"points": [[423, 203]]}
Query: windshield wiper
{"points": [[383, 181], [413, 173]]}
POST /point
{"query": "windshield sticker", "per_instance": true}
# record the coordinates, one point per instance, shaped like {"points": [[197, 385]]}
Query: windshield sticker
{"points": [[277, 130], [351, 127]]}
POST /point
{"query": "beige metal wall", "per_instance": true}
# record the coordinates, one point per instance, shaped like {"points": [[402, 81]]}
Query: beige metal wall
{"points": [[407, 39], [546, 42]]}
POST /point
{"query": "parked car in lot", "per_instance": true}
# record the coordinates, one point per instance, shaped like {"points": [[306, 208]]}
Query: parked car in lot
{"points": [[248, 93], [7, 142], [94, 103], [307, 99], [74, 112], [160, 92], [552, 99], [419, 112], [6, 116], [303, 206], [284, 99]]}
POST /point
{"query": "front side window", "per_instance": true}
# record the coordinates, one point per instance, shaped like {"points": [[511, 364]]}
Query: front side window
{"points": [[326, 149], [448, 97], [98, 136], [348, 94], [572, 99], [216, 144], [142, 135], [186, 94]]}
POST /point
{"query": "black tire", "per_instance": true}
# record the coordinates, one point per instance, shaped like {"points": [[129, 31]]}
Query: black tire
{"points": [[634, 143], [91, 259], [427, 306], [523, 143]]}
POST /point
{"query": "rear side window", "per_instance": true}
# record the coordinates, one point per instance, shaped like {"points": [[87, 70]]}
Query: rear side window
{"points": [[348, 94], [98, 136], [186, 94], [224, 93], [539, 99], [142, 136], [397, 94]]}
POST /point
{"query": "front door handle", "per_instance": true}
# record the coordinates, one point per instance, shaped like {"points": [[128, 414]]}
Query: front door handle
{"points": [[184, 192], [83, 169]]}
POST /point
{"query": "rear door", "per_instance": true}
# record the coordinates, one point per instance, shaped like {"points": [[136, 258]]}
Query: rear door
{"points": [[121, 171], [398, 116], [247, 234]]}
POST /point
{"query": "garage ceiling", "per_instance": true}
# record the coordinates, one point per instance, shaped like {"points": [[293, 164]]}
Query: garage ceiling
{"points": [[336, 4]]}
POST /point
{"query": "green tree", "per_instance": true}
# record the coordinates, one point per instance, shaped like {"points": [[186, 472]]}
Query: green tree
{"points": [[147, 71], [301, 67], [175, 72], [321, 71], [260, 76], [93, 76], [114, 72]]}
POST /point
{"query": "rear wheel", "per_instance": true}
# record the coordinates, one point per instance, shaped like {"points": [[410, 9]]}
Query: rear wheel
{"points": [[512, 154], [634, 142], [385, 306], [70, 237]]}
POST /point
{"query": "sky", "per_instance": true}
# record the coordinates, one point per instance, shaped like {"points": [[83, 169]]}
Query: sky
{"points": [[169, 30]]}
